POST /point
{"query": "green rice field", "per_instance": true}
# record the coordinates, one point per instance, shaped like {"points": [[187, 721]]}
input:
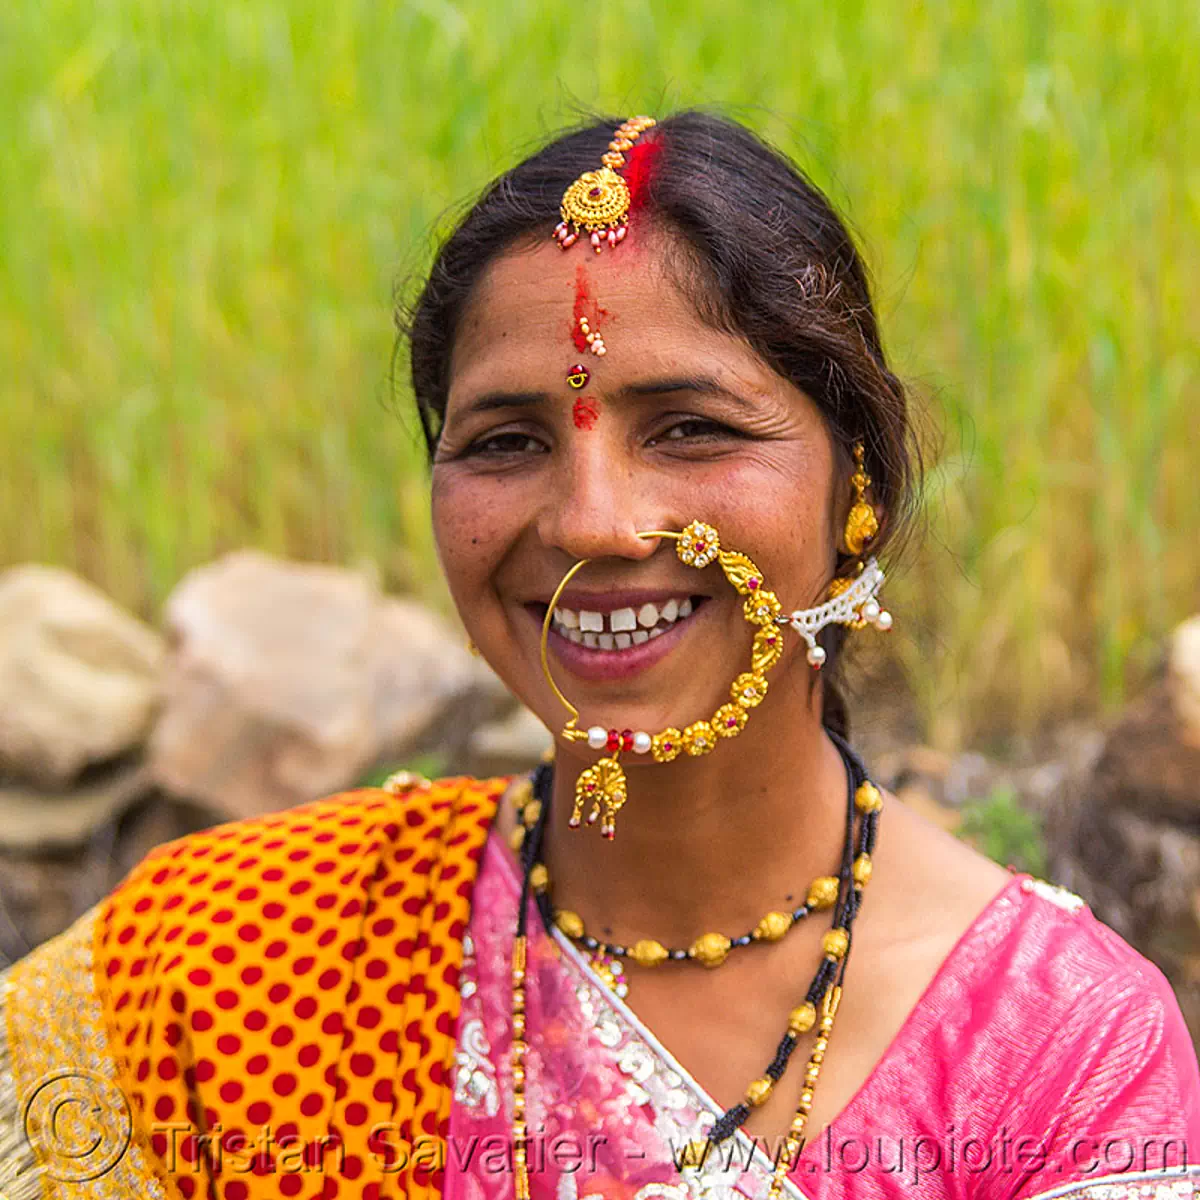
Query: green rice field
{"points": [[205, 208]]}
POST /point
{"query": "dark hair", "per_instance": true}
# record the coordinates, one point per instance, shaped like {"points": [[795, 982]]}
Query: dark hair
{"points": [[767, 259]]}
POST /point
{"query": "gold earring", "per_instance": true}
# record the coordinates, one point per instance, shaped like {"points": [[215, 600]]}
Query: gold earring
{"points": [[861, 524], [860, 610]]}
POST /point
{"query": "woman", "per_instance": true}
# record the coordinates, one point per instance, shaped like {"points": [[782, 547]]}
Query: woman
{"points": [[633, 347]]}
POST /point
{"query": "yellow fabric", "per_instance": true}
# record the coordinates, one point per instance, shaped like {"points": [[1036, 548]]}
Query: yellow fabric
{"points": [[276, 999], [66, 1131]]}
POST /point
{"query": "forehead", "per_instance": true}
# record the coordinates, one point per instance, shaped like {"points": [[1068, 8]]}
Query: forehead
{"points": [[524, 311]]}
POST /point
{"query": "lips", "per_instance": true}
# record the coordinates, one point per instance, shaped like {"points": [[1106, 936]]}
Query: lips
{"points": [[601, 636]]}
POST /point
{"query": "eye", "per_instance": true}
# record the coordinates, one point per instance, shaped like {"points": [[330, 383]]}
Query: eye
{"points": [[498, 444], [695, 429]]}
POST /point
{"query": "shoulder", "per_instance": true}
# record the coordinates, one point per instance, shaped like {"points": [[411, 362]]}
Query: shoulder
{"points": [[1002, 933], [1109, 1081], [1090, 1031], [1069, 957], [279, 861]]}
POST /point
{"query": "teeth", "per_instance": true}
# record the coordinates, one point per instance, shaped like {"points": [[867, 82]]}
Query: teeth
{"points": [[622, 619], [657, 632], [606, 641], [573, 635], [589, 640], [645, 621], [624, 641]]}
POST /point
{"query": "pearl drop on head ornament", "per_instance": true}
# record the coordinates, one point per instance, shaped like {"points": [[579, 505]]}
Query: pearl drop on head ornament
{"points": [[815, 656]]}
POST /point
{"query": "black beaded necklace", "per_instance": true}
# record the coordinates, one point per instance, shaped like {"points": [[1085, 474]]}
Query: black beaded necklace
{"points": [[863, 802]]}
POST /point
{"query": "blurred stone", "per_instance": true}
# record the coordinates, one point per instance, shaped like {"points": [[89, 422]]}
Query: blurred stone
{"points": [[1132, 847], [78, 676], [34, 821], [1151, 758], [1183, 675], [508, 747], [922, 801], [915, 766], [971, 777], [287, 682], [44, 888], [430, 694]]}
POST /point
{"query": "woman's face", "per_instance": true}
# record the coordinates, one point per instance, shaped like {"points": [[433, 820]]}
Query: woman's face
{"points": [[676, 421]]}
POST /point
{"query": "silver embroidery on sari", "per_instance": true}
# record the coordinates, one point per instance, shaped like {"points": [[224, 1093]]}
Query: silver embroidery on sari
{"points": [[474, 1076], [1055, 894], [1142, 1185], [681, 1110]]}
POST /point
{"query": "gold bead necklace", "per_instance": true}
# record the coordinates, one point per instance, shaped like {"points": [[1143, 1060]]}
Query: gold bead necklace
{"points": [[709, 949], [823, 996]]}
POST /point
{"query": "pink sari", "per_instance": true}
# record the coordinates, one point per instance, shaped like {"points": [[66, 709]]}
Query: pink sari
{"points": [[1046, 1058]]}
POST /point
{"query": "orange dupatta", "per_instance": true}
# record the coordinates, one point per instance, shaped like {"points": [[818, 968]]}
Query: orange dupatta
{"points": [[273, 1001]]}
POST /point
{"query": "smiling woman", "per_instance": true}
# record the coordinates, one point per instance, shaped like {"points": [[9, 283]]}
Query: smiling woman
{"points": [[667, 452]]}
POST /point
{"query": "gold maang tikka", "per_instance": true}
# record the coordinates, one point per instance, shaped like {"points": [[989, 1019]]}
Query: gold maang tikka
{"points": [[597, 203], [603, 786]]}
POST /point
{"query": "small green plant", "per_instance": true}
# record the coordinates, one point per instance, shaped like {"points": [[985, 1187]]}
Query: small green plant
{"points": [[1005, 831]]}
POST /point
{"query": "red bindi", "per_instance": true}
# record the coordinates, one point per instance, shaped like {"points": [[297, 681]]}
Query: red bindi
{"points": [[585, 413]]}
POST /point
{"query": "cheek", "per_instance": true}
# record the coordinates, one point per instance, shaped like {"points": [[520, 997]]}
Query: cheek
{"points": [[771, 493], [777, 509], [471, 531]]}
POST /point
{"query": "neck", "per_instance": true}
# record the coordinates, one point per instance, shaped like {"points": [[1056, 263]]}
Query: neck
{"points": [[709, 843]]}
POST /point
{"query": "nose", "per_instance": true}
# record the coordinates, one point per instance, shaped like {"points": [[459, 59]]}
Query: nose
{"points": [[595, 507]]}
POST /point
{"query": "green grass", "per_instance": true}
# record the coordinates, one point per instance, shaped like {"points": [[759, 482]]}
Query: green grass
{"points": [[204, 207], [1007, 833]]}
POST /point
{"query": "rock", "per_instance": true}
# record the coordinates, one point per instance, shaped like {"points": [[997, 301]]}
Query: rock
{"points": [[510, 746], [430, 694], [78, 676], [1183, 680], [35, 821], [921, 801], [1131, 846], [971, 777], [916, 766], [44, 888], [287, 682], [1151, 757]]}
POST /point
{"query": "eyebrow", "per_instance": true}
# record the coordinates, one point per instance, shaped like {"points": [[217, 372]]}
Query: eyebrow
{"points": [[703, 384]]}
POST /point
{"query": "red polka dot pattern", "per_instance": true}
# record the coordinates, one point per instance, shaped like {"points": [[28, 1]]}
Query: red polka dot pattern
{"points": [[293, 979]]}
